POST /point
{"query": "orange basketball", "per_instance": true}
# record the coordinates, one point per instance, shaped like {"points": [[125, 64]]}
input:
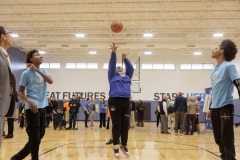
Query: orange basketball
{"points": [[116, 26]]}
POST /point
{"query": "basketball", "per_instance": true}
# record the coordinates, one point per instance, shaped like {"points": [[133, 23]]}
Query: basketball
{"points": [[116, 26]]}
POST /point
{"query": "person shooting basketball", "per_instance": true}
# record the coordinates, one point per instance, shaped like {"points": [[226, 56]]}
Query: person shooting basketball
{"points": [[118, 102]]}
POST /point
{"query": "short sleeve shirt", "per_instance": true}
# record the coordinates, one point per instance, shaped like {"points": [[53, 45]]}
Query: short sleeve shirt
{"points": [[222, 78], [35, 86]]}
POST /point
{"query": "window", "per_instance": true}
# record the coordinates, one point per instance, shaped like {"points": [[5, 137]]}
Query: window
{"points": [[186, 66], [157, 66], [71, 65], [44, 65], [54, 65], [105, 65], [134, 66], [208, 66], [146, 66], [197, 66], [92, 66], [81, 65], [169, 66]]}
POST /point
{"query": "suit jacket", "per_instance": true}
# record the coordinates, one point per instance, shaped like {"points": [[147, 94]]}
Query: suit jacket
{"points": [[7, 88]]}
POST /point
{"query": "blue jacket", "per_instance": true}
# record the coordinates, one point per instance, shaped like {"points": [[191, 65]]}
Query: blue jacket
{"points": [[119, 86], [180, 104]]}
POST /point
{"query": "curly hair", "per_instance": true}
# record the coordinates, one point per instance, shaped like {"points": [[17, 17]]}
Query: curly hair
{"points": [[230, 49], [29, 55]]}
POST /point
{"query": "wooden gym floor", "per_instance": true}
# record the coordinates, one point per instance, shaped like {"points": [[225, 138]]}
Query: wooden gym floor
{"points": [[145, 143]]}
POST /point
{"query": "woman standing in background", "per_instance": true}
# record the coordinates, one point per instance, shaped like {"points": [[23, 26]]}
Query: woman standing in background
{"points": [[103, 109], [140, 113]]}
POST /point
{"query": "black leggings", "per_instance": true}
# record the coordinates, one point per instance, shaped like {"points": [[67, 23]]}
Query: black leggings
{"points": [[120, 115]]}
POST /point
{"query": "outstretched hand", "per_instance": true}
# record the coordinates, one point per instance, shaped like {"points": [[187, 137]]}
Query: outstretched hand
{"points": [[113, 47], [124, 56]]}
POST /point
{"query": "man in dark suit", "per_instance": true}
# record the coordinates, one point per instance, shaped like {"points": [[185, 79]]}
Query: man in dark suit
{"points": [[7, 83]]}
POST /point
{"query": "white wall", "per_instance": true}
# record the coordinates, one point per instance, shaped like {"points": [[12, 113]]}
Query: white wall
{"points": [[152, 81]]}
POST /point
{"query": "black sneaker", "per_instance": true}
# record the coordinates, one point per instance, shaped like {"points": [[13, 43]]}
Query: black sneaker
{"points": [[109, 142], [124, 150], [116, 151], [69, 128], [15, 158], [75, 128]]}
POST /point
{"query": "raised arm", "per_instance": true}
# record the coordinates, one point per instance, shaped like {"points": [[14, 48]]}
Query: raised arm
{"points": [[112, 62]]}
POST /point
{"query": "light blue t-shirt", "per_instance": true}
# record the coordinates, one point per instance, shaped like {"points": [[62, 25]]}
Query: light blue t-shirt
{"points": [[102, 110], [35, 86], [222, 78]]}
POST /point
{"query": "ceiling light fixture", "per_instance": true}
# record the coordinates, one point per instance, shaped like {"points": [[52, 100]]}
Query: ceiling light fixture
{"points": [[14, 35], [147, 52], [148, 35], [197, 53], [42, 52], [217, 34], [80, 35], [92, 52]]}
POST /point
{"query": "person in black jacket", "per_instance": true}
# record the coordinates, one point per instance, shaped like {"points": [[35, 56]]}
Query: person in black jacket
{"points": [[48, 114], [140, 113], [74, 105], [180, 108], [53, 105], [132, 118]]}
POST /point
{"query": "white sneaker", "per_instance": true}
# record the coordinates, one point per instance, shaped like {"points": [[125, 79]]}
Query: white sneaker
{"points": [[124, 150], [116, 151]]}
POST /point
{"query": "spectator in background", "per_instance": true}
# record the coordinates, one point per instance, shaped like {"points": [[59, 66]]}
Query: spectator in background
{"points": [[103, 109], [22, 112], [191, 114], [74, 105], [132, 117], [66, 109], [180, 108], [197, 126], [164, 115], [11, 122], [92, 111], [140, 113], [171, 115], [53, 105], [157, 112], [48, 114], [87, 111]]}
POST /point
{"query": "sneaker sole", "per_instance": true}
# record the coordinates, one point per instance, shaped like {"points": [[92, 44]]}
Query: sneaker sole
{"points": [[127, 155]]}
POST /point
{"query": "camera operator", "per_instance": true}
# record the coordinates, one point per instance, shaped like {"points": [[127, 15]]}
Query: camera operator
{"points": [[74, 105]]}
